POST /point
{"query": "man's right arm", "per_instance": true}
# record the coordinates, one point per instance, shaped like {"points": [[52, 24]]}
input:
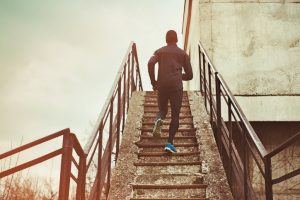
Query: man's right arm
{"points": [[153, 60]]}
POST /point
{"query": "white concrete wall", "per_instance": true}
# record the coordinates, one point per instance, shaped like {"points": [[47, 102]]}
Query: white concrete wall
{"points": [[255, 45]]}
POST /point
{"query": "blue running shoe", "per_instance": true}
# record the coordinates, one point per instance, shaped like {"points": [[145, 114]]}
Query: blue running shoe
{"points": [[157, 128], [170, 148]]}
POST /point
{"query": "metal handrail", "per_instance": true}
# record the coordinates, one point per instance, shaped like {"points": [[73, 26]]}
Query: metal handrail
{"points": [[128, 80], [237, 162]]}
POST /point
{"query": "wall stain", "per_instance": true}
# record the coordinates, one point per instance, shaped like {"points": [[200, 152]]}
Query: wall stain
{"points": [[295, 43], [250, 49]]}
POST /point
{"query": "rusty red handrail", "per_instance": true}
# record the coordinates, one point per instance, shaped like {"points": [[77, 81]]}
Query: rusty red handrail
{"points": [[128, 80], [235, 149]]}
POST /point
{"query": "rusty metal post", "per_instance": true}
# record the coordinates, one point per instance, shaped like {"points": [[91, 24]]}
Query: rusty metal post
{"points": [[204, 83], [65, 171], [99, 171], [111, 111], [245, 163], [210, 93], [118, 119], [80, 193], [124, 99], [132, 71], [268, 178], [200, 69], [230, 140], [218, 102], [128, 82]]}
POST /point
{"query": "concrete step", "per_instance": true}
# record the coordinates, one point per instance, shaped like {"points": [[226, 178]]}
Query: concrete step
{"points": [[177, 139], [166, 126], [166, 134], [167, 122], [155, 110], [161, 145], [167, 129], [167, 158], [168, 169], [169, 199], [170, 191], [160, 149], [151, 105], [152, 116], [169, 178]]}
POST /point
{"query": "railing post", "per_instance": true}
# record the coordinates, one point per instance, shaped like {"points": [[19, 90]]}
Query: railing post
{"points": [[80, 193], [124, 98], [210, 93], [128, 81], [218, 102], [245, 163], [111, 118], [230, 139], [99, 171], [200, 68], [118, 120], [204, 82], [132, 70], [268, 179], [65, 171]]}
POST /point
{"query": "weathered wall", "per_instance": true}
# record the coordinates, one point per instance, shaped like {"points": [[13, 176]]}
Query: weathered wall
{"points": [[255, 45]]}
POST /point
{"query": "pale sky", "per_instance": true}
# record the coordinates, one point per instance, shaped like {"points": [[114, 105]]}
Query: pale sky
{"points": [[58, 59]]}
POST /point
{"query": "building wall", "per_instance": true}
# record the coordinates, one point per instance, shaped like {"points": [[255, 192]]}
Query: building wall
{"points": [[255, 45]]}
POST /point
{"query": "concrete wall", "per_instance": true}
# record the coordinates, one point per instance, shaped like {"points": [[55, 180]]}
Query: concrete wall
{"points": [[255, 45]]}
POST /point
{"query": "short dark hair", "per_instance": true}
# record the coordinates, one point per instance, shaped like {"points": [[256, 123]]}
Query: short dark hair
{"points": [[171, 37]]}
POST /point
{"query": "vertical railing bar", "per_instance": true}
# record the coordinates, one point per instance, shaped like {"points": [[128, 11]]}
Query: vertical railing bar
{"points": [[110, 145], [200, 68], [210, 92], [218, 102], [99, 172], [66, 161], [204, 82], [268, 178], [124, 98], [132, 70], [118, 120], [245, 163], [230, 139], [128, 81]]}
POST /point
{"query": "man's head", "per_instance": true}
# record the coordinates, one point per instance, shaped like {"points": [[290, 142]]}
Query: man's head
{"points": [[171, 37]]}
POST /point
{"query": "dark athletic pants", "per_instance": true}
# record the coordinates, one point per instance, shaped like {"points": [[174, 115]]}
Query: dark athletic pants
{"points": [[175, 98]]}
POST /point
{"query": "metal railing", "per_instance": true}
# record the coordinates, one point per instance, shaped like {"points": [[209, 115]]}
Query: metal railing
{"points": [[95, 160], [242, 152]]}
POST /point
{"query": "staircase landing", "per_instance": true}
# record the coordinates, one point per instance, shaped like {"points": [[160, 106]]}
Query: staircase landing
{"points": [[145, 171]]}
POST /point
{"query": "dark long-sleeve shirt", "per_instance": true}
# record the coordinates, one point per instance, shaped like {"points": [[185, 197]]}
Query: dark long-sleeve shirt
{"points": [[171, 61]]}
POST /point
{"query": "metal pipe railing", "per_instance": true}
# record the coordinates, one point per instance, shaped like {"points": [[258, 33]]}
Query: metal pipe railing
{"points": [[238, 148], [97, 152]]}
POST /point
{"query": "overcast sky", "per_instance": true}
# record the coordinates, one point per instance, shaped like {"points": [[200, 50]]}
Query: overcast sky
{"points": [[58, 59]]}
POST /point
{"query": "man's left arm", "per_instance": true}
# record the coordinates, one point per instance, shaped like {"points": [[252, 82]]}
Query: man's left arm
{"points": [[153, 60], [188, 71]]}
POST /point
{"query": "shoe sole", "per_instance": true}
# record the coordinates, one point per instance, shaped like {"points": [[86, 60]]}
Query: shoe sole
{"points": [[157, 130], [167, 149]]}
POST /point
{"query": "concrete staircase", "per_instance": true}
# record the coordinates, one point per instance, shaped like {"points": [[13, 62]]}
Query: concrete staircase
{"points": [[163, 176]]}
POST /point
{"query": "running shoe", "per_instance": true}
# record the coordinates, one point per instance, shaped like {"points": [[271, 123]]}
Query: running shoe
{"points": [[157, 128], [170, 148]]}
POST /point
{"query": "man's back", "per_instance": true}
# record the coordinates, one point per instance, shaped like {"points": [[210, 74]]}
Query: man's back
{"points": [[171, 60]]}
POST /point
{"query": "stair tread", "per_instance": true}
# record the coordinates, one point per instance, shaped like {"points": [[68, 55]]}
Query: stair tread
{"points": [[163, 153], [169, 199], [163, 144], [166, 137], [168, 186], [166, 163], [167, 129]]}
